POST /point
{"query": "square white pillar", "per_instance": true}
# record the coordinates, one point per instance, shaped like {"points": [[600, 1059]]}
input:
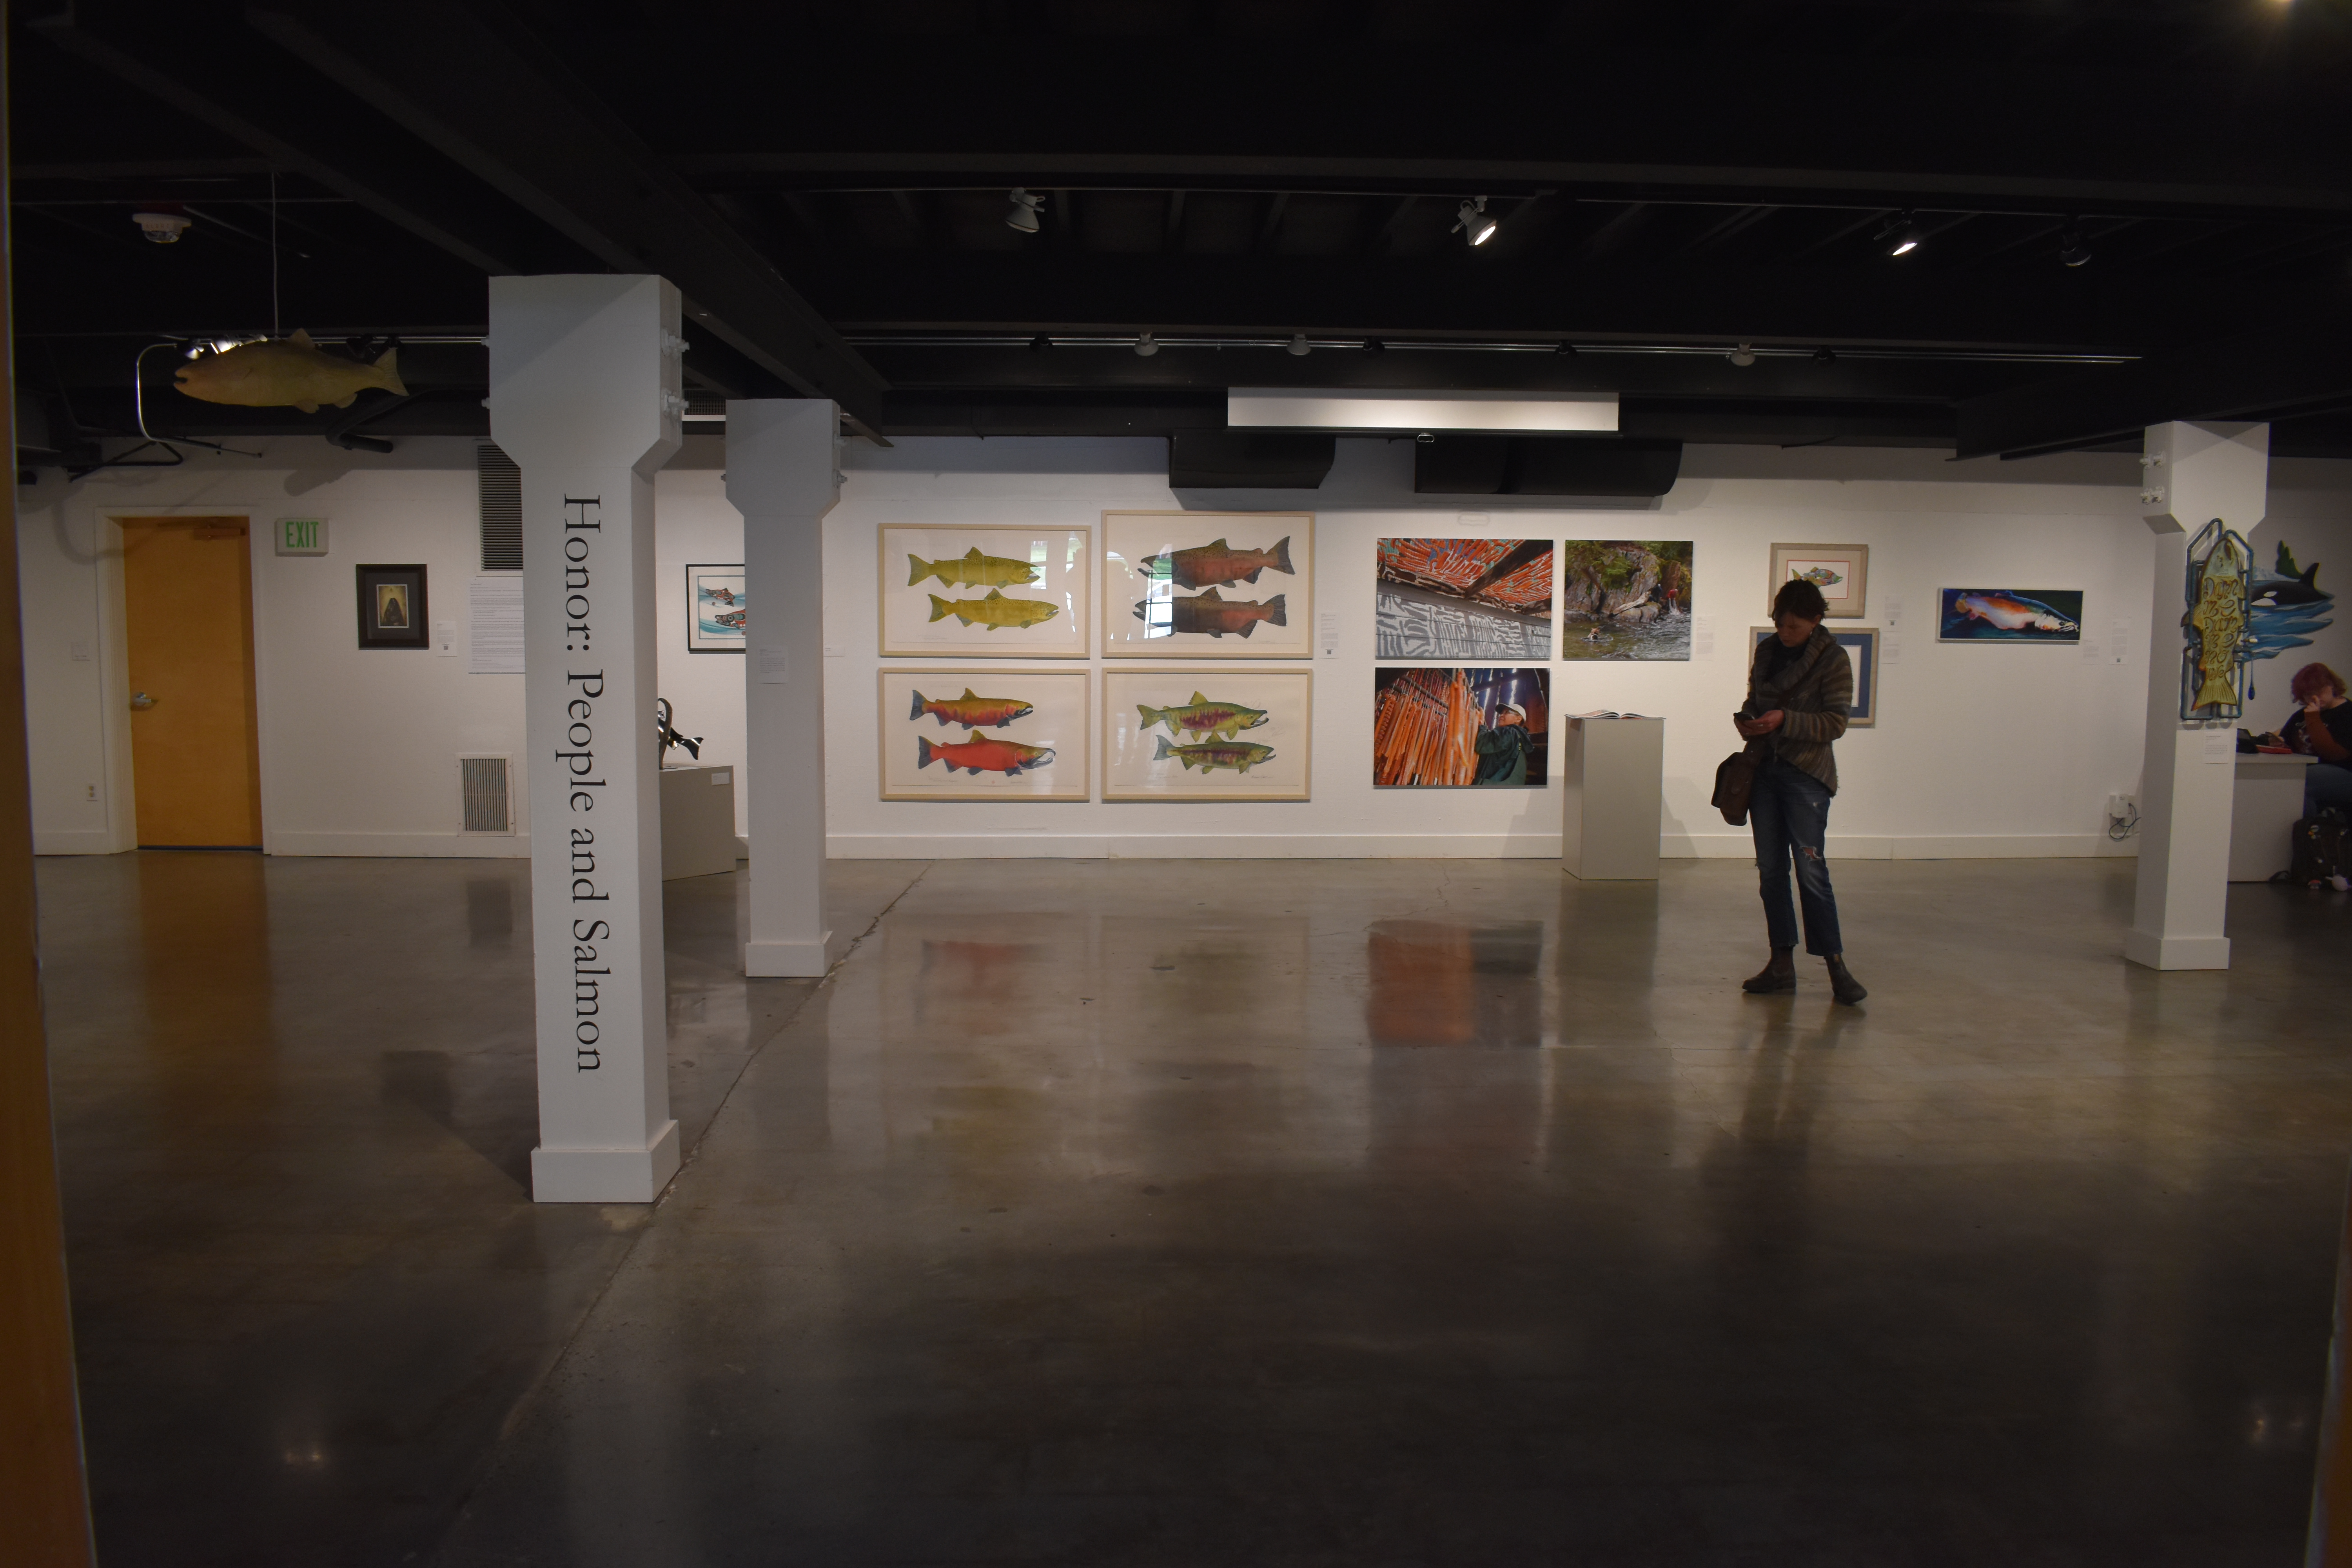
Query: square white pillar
{"points": [[584, 396], [782, 476], [2195, 473]]}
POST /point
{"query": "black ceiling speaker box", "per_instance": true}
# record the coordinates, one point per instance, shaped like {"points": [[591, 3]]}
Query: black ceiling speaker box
{"points": [[1248, 460], [1545, 466]]}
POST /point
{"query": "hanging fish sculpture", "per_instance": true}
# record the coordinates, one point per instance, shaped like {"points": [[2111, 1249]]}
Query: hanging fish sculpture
{"points": [[993, 612], [1215, 615], [2219, 619], [1206, 566], [970, 570], [1202, 716], [2011, 612], [286, 373], [972, 712], [1010, 758], [1208, 755]]}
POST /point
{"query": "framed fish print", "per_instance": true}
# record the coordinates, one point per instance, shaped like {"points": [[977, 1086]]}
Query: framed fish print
{"points": [[716, 610], [1861, 644], [2010, 615], [1203, 734], [1208, 584], [1842, 572], [983, 733], [986, 592], [393, 611]]}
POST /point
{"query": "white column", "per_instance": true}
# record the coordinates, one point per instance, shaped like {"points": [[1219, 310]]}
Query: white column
{"points": [[2195, 473], [584, 397], [781, 476]]}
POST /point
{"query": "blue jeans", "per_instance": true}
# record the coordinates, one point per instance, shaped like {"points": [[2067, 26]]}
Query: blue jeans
{"points": [[1790, 813], [2326, 785]]}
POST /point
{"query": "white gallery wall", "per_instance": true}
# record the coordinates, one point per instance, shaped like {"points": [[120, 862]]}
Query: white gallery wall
{"points": [[1979, 750]]}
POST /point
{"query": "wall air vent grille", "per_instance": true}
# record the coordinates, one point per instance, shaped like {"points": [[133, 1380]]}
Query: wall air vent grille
{"points": [[502, 485], [482, 788]]}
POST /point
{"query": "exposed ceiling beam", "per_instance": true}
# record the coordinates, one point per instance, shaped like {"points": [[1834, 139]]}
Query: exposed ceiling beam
{"points": [[473, 83]]}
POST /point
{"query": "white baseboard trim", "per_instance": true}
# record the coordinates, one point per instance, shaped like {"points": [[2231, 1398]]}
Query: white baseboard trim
{"points": [[605, 1175], [2153, 951], [1740, 845], [1735, 846], [73, 841], [402, 845]]}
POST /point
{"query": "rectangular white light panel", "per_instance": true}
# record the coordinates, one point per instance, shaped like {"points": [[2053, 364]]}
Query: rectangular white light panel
{"points": [[1289, 409]]}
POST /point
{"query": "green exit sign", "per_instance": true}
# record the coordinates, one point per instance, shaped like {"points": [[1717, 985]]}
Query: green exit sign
{"points": [[301, 536]]}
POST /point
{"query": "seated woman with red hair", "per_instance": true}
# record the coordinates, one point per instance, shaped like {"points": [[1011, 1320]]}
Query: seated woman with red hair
{"points": [[2322, 727]]}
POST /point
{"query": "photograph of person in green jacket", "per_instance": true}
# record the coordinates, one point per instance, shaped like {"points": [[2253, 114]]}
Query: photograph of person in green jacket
{"points": [[1502, 748]]}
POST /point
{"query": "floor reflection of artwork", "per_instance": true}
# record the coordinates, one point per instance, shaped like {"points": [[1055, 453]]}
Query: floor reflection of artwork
{"points": [[1464, 598], [1460, 728], [1437, 983]]}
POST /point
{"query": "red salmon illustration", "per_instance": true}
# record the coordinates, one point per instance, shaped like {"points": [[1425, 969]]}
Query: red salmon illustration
{"points": [[1010, 758], [972, 712], [1217, 616], [1206, 566]]}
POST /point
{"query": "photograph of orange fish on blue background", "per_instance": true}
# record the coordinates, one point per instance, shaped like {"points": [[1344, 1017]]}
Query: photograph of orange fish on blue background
{"points": [[1463, 598], [716, 611], [998, 593], [1204, 734], [2010, 615], [1842, 572], [1461, 728], [1195, 585], [983, 733]]}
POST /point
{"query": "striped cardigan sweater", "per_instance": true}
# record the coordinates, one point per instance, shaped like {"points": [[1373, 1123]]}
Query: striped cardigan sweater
{"points": [[1815, 694]]}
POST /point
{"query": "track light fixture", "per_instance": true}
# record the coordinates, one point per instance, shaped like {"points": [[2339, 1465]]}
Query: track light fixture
{"points": [[1565, 350], [1024, 215], [161, 229], [1040, 343], [1299, 346], [1146, 346], [2072, 247], [1901, 237], [1374, 346], [1473, 223], [1825, 355], [1745, 354]]}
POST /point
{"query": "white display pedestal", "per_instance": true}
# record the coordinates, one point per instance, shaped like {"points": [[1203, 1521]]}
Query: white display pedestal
{"points": [[698, 821], [2262, 814], [1613, 773]]}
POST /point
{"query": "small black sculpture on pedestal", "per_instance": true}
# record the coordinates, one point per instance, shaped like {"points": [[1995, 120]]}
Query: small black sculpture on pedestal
{"points": [[665, 733]]}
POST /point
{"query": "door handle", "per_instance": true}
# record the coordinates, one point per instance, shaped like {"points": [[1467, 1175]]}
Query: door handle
{"points": [[140, 702]]}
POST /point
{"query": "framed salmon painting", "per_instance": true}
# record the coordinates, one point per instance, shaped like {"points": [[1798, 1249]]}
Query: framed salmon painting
{"points": [[1208, 584], [962, 592], [1206, 735], [983, 733]]}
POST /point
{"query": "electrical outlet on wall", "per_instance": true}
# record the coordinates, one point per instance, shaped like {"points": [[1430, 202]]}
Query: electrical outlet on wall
{"points": [[93, 792]]}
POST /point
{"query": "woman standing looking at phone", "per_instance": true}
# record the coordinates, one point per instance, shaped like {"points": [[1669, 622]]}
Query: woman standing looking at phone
{"points": [[1799, 691]]}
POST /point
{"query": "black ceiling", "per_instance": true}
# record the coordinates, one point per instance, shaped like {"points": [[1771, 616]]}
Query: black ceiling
{"points": [[828, 187]]}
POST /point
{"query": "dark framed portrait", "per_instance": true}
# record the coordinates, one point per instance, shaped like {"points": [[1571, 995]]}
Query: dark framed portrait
{"points": [[393, 611]]}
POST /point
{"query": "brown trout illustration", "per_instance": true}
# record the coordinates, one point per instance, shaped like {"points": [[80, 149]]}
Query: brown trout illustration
{"points": [[1217, 616], [1208, 755], [1206, 566], [972, 712], [1204, 716]]}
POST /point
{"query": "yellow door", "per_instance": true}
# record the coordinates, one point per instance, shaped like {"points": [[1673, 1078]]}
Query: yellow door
{"points": [[195, 751]]}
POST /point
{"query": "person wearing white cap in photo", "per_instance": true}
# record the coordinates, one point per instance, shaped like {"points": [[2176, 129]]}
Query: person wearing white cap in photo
{"points": [[1503, 748]]}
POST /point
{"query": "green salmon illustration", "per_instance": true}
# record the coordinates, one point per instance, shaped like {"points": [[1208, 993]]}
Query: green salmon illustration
{"points": [[1208, 755], [1204, 716], [993, 611], [970, 570]]}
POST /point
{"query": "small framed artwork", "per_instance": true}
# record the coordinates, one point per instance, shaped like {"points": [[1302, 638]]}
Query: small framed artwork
{"points": [[393, 609], [1202, 734], [983, 734], [1861, 644], [1842, 572], [1208, 584], [714, 608], [985, 593], [2010, 615]]}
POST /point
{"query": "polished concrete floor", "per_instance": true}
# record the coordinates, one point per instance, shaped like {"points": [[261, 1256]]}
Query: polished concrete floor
{"points": [[1147, 1212]]}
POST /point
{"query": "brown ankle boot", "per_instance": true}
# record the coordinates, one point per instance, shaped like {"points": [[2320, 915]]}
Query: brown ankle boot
{"points": [[1842, 985], [1780, 975]]}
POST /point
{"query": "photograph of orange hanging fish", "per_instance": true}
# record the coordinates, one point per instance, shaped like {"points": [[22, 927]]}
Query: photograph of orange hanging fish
{"points": [[981, 756], [1212, 613], [1206, 566], [972, 712]]}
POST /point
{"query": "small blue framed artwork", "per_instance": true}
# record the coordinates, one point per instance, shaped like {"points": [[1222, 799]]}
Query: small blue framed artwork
{"points": [[1861, 644], [2010, 615], [715, 609]]}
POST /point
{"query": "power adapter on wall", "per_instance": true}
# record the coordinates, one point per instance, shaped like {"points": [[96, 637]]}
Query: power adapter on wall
{"points": [[2123, 816]]}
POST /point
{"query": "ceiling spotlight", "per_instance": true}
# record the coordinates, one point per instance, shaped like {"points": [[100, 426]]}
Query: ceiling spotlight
{"points": [[161, 229], [1565, 350], [1040, 343], [1024, 215], [1299, 346], [2072, 249], [1475, 223], [1374, 346], [1825, 355], [1743, 355], [1901, 237], [1146, 346]]}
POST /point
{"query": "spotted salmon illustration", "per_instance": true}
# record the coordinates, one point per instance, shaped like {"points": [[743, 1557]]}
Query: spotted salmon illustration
{"points": [[1208, 755], [994, 612], [2011, 612], [970, 570], [1206, 566], [1819, 576], [1010, 758], [1204, 716], [972, 712], [1217, 616]]}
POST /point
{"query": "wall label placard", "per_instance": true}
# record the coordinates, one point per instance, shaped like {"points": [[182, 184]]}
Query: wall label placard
{"points": [[301, 535]]}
